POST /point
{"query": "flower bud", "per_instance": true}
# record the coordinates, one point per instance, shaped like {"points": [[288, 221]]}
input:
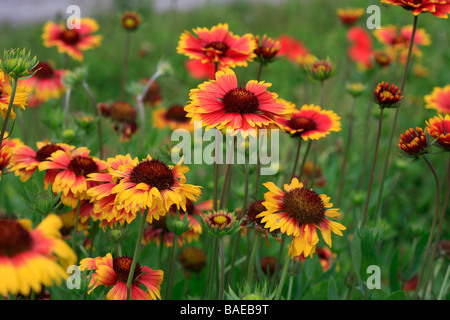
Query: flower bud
{"points": [[18, 64]]}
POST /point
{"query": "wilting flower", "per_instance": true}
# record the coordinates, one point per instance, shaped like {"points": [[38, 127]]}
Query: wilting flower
{"points": [[32, 258], [361, 48], [45, 84], [251, 220], [173, 118], [25, 160], [439, 99], [152, 185], [123, 114], [266, 49], [221, 222], [438, 8], [72, 41], [220, 103], [439, 128], [311, 122], [350, 16], [192, 259], [74, 167], [387, 96], [398, 41], [298, 212], [217, 45], [6, 150], [414, 143], [130, 21], [20, 97], [113, 272], [321, 70]]}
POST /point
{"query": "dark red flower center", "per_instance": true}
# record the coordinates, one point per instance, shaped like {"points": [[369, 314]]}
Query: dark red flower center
{"points": [[220, 220], [176, 113], [240, 100], [122, 111], [122, 267], [46, 151], [304, 205], [302, 123], [14, 238], [218, 46], [69, 36], [254, 209], [44, 71], [82, 166], [153, 173]]}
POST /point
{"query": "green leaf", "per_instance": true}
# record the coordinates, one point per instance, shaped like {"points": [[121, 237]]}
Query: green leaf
{"points": [[393, 273], [398, 295], [332, 290]]}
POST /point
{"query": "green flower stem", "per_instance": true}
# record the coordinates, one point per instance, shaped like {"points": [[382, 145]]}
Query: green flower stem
{"points": [[439, 229], [99, 120], [305, 156], [75, 227], [172, 266], [433, 225], [444, 284], [297, 156], [125, 65], [346, 152], [372, 171], [212, 271], [10, 106], [136, 252], [222, 269], [394, 123], [216, 187], [67, 106], [283, 277], [250, 270]]}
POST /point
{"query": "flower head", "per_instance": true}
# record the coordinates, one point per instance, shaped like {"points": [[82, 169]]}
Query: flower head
{"points": [[173, 117], [192, 259], [349, 16], [221, 103], [293, 49], [32, 258], [311, 122], [414, 143], [72, 41], [130, 21], [298, 212], [7, 147], [114, 272], [321, 70], [266, 49], [437, 8], [361, 49], [20, 97], [217, 45], [439, 99], [387, 96], [439, 128], [18, 63], [221, 222]]}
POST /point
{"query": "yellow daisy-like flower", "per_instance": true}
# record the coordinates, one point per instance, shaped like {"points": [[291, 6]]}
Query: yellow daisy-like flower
{"points": [[20, 97], [297, 212], [152, 185], [31, 259]]}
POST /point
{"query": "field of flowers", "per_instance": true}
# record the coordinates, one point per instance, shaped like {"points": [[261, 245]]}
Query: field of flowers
{"points": [[122, 133]]}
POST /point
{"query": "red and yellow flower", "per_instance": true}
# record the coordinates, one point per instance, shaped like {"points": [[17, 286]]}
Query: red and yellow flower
{"points": [[32, 258], [297, 212], [74, 167], [349, 16], [221, 103], [438, 8], [311, 122], [152, 185], [199, 70], [72, 41], [6, 150], [113, 272], [293, 49], [266, 49], [414, 143], [45, 84], [173, 118], [439, 128], [439, 99], [20, 97], [217, 45], [25, 160]]}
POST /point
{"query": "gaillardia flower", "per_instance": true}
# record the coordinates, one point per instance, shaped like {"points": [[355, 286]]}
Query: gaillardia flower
{"points": [[439, 99], [387, 96], [130, 21], [45, 84], [221, 103], [74, 167], [72, 41], [298, 212], [32, 258], [192, 259], [349, 16], [25, 160], [321, 70], [7, 147], [173, 118], [20, 97], [439, 128], [217, 45], [414, 143], [152, 185], [311, 122], [266, 49], [438, 8], [293, 49], [114, 272], [221, 222]]}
